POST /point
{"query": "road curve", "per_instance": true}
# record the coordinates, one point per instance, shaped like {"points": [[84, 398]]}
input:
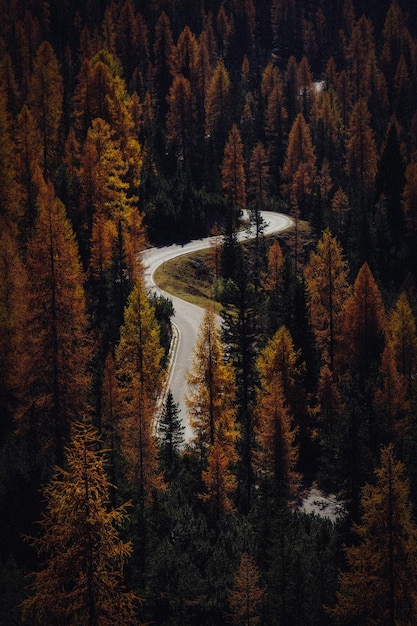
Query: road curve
{"points": [[188, 317]]}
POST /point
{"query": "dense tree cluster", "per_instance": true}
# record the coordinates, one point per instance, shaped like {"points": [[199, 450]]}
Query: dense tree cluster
{"points": [[125, 124]]}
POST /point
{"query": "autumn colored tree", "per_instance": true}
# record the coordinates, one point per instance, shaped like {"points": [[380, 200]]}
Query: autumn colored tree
{"points": [[10, 213], [378, 584], [58, 344], [187, 51], [402, 330], [276, 121], [219, 480], [101, 93], [326, 276], [362, 325], [180, 118], [274, 430], [219, 105], [28, 158], [212, 414], [80, 580], [280, 357], [340, 208], [391, 396], [233, 171], [397, 40], [361, 154], [327, 127], [359, 50], [276, 457], [246, 594], [45, 102], [259, 175], [138, 369], [273, 286], [14, 362], [210, 399], [116, 235], [299, 168]]}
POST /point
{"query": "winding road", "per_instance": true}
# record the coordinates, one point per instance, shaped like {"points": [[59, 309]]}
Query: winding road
{"points": [[188, 317]]}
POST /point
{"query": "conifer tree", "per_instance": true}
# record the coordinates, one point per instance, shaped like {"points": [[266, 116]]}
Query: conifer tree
{"points": [[170, 436], [299, 170], [362, 325], [219, 105], [210, 399], [58, 343], [80, 580], [361, 154], [391, 396], [246, 594], [403, 332], [180, 117], [326, 275], [9, 190], [378, 586], [359, 50], [138, 369], [276, 456], [233, 172], [45, 102], [165, 61], [212, 413], [14, 362]]}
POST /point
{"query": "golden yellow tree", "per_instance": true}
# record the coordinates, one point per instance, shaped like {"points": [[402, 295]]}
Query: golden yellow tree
{"points": [[378, 586], [403, 332], [57, 331], [326, 276], [80, 580], [233, 170], [44, 99], [246, 594], [212, 413], [138, 369], [277, 454]]}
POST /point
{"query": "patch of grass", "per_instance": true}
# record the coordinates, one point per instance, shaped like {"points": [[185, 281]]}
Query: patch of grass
{"points": [[188, 277]]}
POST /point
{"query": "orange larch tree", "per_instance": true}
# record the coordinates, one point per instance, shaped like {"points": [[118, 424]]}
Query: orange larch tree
{"points": [[212, 413], [57, 331], [219, 105], [299, 171], [14, 362], [361, 153], [402, 330], [139, 374], [82, 554], [246, 594], [378, 586], [180, 127], [28, 158], [233, 171], [326, 276], [363, 324], [45, 97]]}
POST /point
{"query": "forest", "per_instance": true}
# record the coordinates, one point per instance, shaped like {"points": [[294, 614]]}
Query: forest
{"points": [[126, 124]]}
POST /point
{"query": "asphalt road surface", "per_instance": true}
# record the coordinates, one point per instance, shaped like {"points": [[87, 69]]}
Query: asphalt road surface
{"points": [[188, 317]]}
